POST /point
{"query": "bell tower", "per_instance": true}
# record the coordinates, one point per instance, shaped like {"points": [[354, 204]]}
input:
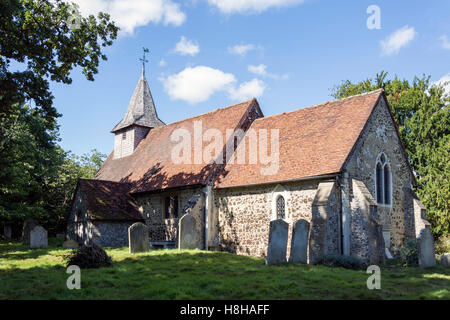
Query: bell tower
{"points": [[139, 118]]}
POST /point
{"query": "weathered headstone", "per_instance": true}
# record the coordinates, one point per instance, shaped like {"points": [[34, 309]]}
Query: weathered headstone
{"points": [[278, 237], [138, 238], [299, 242], [70, 244], [28, 225], [187, 232], [426, 249], [445, 260], [7, 231], [38, 238]]}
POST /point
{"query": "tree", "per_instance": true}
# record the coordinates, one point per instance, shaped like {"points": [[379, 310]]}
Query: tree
{"points": [[42, 35], [421, 111]]}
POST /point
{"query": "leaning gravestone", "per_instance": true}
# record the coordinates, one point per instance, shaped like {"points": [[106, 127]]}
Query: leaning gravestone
{"points": [[38, 238], [28, 225], [187, 232], [7, 231], [299, 242], [278, 237], [70, 244], [445, 260], [426, 249], [138, 238]]}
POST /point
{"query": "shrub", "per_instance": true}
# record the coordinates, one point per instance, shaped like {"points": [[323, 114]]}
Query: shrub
{"points": [[347, 262], [89, 256], [442, 245], [409, 254]]}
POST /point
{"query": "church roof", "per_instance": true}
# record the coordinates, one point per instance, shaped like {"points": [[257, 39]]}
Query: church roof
{"points": [[151, 167], [141, 110], [313, 142], [107, 200]]}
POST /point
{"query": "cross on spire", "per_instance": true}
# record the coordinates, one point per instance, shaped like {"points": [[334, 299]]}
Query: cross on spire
{"points": [[143, 59]]}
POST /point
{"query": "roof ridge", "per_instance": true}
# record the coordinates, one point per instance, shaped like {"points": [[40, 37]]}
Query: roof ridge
{"points": [[321, 104], [205, 113]]}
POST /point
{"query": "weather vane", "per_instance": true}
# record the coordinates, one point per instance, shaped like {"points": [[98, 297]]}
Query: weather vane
{"points": [[143, 59]]}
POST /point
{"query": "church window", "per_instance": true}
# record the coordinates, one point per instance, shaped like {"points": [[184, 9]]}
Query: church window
{"points": [[383, 181], [280, 208], [124, 136]]}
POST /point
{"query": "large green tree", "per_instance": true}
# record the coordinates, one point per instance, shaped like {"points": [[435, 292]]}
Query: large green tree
{"points": [[421, 111], [42, 41], [48, 38]]}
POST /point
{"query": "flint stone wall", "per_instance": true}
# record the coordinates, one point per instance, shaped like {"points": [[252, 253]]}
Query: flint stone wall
{"points": [[244, 214], [379, 136]]}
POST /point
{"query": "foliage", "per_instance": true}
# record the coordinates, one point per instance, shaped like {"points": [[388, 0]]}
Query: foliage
{"points": [[194, 274], [41, 35], [38, 178], [409, 254], [421, 111], [89, 256], [442, 245], [347, 262]]}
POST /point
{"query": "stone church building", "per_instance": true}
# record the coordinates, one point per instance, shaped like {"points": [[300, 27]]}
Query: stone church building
{"points": [[339, 165]]}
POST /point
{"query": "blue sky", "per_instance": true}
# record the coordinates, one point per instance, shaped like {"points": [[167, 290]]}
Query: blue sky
{"points": [[287, 53]]}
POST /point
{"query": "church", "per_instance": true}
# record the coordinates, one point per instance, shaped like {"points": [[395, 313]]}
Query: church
{"points": [[339, 165]]}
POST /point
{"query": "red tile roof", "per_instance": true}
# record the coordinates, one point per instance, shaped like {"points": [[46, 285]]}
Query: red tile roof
{"points": [[107, 200], [150, 167], [313, 141]]}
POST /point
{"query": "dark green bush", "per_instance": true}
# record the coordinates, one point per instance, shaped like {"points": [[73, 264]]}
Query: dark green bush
{"points": [[409, 255], [89, 256], [347, 262], [442, 245]]}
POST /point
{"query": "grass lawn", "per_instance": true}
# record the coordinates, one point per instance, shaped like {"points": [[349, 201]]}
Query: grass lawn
{"points": [[192, 274]]}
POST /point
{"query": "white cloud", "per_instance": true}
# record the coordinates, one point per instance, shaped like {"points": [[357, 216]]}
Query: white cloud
{"points": [[197, 84], [445, 42], [187, 47], [242, 49], [445, 81], [129, 15], [259, 70], [252, 89], [397, 40], [162, 63], [251, 6]]}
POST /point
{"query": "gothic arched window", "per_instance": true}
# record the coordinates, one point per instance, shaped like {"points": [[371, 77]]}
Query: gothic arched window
{"points": [[280, 208], [383, 181]]}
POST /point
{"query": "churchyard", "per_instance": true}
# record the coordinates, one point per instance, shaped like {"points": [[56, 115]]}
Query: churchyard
{"points": [[193, 274]]}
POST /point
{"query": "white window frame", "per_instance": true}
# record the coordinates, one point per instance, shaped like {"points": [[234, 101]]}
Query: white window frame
{"points": [[276, 193], [388, 165]]}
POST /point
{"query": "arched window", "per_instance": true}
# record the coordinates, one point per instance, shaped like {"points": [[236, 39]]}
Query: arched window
{"points": [[280, 208], [383, 181]]}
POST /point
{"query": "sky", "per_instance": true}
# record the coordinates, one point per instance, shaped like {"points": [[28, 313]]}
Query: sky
{"points": [[207, 54]]}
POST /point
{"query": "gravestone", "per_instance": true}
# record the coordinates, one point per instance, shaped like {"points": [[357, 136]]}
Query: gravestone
{"points": [[299, 242], [7, 231], [70, 244], [38, 238], [28, 225], [187, 238], [278, 237], [138, 238], [445, 260], [426, 249]]}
